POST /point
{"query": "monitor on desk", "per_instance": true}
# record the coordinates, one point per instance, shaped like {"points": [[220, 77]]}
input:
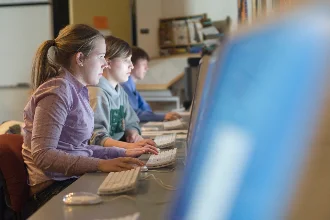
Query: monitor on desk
{"points": [[195, 105], [264, 100]]}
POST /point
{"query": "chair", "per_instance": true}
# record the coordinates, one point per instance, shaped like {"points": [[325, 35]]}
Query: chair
{"points": [[14, 190]]}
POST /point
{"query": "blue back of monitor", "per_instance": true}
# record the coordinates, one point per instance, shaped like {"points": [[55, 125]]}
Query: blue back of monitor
{"points": [[258, 112]]}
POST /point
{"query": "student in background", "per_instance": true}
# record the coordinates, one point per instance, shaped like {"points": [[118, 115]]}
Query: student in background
{"points": [[58, 118], [115, 122], [140, 61]]}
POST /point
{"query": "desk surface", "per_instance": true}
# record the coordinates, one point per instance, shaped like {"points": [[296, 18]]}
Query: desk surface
{"points": [[152, 201]]}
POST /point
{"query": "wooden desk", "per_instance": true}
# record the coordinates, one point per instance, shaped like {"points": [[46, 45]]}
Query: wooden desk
{"points": [[151, 200]]}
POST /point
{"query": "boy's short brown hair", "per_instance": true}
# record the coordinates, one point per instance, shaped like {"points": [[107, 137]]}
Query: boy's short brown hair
{"points": [[137, 54]]}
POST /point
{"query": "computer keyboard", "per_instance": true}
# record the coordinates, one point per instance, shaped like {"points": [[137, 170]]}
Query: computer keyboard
{"points": [[172, 125], [153, 124], [149, 129], [164, 141], [163, 159], [117, 182]]}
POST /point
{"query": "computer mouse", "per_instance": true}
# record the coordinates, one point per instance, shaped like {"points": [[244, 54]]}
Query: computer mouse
{"points": [[144, 169], [81, 198]]}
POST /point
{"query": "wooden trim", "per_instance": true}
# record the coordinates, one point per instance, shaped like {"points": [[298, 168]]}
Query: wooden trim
{"points": [[186, 55], [174, 80], [180, 45], [151, 86], [177, 78]]}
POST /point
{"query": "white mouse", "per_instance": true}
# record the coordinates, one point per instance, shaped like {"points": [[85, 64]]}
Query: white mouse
{"points": [[144, 169]]}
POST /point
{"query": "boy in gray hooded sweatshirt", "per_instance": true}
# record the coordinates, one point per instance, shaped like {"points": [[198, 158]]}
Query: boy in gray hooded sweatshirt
{"points": [[115, 121]]}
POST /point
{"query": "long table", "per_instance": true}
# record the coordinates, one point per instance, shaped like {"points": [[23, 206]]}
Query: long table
{"points": [[149, 199]]}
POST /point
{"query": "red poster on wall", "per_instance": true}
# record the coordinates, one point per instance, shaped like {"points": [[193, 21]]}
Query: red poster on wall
{"points": [[100, 22]]}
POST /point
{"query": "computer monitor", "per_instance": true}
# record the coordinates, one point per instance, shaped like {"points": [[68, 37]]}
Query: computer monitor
{"points": [[190, 79], [195, 105], [260, 122]]}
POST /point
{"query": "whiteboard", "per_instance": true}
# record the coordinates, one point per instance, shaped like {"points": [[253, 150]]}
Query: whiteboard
{"points": [[22, 1], [23, 29]]}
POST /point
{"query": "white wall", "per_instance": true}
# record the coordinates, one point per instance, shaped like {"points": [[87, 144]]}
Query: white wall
{"points": [[23, 29], [173, 8], [150, 11], [148, 14], [13, 101], [215, 9]]}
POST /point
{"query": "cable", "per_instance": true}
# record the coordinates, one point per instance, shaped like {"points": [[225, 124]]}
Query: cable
{"points": [[122, 197], [162, 171], [160, 182], [135, 200]]}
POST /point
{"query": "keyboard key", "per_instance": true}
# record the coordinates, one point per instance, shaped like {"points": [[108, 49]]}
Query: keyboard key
{"points": [[173, 125], [163, 159], [164, 141]]}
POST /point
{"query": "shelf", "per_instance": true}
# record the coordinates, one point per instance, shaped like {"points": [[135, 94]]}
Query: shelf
{"points": [[185, 55], [183, 18], [180, 45]]}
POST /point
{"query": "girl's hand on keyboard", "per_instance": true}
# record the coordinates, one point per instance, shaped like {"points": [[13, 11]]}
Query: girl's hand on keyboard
{"points": [[150, 149], [144, 143], [132, 136], [119, 164], [136, 152], [148, 142]]}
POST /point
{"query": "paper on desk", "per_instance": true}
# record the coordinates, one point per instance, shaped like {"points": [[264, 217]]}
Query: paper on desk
{"points": [[184, 113], [151, 133], [150, 129], [153, 124], [178, 110], [211, 30], [181, 136], [210, 42]]}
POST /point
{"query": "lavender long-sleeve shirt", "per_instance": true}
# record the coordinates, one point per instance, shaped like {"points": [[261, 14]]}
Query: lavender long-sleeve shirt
{"points": [[58, 124]]}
